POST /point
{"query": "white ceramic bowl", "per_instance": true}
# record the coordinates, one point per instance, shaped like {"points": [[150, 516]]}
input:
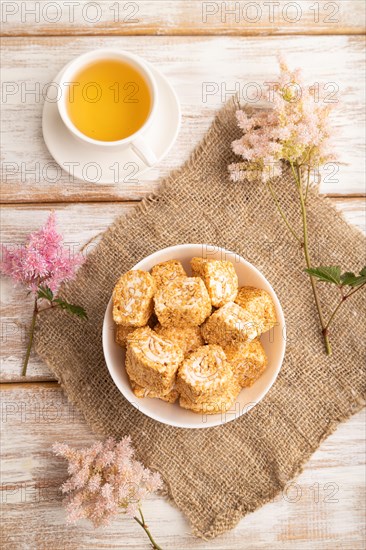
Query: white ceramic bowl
{"points": [[274, 342]]}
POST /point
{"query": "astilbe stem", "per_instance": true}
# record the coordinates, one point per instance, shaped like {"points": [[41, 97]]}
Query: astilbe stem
{"points": [[31, 335], [297, 175], [145, 528], [282, 214], [344, 298]]}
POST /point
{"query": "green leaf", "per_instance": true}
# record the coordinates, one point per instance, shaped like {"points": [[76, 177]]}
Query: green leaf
{"points": [[327, 274], [72, 308], [45, 293], [350, 279]]}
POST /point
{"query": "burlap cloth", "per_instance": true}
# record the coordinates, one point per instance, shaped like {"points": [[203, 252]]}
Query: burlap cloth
{"points": [[217, 475]]}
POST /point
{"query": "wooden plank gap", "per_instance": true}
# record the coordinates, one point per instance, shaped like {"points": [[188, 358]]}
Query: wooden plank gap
{"points": [[29, 384]]}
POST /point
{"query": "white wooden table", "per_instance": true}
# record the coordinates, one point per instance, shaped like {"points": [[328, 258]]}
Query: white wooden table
{"points": [[193, 43]]}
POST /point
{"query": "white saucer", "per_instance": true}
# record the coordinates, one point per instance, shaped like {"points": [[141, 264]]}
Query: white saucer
{"points": [[90, 163]]}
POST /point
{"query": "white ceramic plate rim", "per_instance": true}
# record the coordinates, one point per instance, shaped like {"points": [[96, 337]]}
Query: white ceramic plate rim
{"points": [[213, 420]]}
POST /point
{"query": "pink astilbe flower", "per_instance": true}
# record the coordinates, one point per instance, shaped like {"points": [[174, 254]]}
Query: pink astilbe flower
{"points": [[295, 128], [41, 265], [42, 260], [104, 481]]}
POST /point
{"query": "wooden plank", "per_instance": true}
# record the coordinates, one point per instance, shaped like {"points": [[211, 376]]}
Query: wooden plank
{"points": [[205, 72], [182, 17], [79, 223], [323, 509]]}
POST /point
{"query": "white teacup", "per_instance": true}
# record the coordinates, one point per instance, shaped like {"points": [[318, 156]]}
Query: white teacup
{"points": [[136, 141]]}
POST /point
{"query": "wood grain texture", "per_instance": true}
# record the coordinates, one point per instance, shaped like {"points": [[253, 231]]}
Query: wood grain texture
{"points": [[323, 509], [79, 223], [205, 72], [183, 17]]}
